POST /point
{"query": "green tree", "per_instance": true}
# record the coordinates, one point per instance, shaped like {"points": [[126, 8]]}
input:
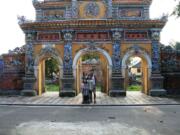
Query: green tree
{"points": [[176, 11], [177, 46], [51, 66], [90, 56]]}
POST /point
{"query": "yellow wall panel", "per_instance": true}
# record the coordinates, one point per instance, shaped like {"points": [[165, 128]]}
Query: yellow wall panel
{"points": [[83, 8], [60, 49], [77, 47], [37, 49], [126, 46]]}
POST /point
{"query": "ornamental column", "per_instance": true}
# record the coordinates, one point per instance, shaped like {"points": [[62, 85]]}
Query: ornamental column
{"points": [[29, 79], [109, 14], [67, 80], [117, 81], [156, 86], [74, 9]]}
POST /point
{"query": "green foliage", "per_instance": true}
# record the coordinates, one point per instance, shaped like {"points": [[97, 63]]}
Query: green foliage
{"points": [[135, 88], [52, 87], [98, 87], [176, 11], [51, 66], [90, 56], [177, 46]]}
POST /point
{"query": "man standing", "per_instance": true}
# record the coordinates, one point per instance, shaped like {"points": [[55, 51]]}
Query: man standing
{"points": [[90, 86], [94, 87]]}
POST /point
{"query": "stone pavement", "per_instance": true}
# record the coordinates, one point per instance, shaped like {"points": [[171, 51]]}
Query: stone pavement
{"points": [[80, 128], [52, 98]]}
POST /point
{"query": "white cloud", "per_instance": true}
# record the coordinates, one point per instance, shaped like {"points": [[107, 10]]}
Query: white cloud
{"points": [[12, 36], [171, 30], [10, 32]]}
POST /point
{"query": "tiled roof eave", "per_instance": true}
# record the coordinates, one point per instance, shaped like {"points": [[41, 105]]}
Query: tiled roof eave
{"points": [[94, 24]]}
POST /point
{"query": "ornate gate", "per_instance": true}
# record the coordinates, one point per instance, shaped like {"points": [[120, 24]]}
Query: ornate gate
{"points": [[68, 26]]}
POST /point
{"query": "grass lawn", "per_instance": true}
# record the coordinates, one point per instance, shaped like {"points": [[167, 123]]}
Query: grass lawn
{"points": [[98, 87], [52, 87], [135, 88]]}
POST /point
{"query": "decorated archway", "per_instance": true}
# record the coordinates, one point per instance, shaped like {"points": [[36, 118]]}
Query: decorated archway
{"points": [[39, 67], [69, 32], [105, 66], [146, 67]]}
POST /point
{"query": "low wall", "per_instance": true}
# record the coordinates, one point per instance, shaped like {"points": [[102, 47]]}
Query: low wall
{"points": [[12, 73], [172, 83], [170, 68], [11, 83]]}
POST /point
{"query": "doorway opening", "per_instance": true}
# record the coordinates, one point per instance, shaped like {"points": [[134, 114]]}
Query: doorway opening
{"points": [[137, 74], [93, 62], [134, 73], [51, 75], [48, 76]]}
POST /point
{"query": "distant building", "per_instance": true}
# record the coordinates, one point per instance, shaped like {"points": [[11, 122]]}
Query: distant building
{"points": [[136, 69]]}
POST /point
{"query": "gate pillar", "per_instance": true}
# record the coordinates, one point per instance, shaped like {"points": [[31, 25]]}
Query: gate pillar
{"points": [[156, 78], [117, 80], [67, 79], [29, 79]]}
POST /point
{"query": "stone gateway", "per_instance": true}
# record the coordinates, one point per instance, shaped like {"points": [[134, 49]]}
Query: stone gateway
{"points": [[114, 29]]}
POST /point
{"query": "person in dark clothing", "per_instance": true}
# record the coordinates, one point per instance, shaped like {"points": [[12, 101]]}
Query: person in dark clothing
{"points": [[85, 90], [90, 87], [94, 87]]}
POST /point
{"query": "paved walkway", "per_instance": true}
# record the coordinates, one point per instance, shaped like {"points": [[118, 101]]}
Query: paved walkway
{"points": [[132, 98]]}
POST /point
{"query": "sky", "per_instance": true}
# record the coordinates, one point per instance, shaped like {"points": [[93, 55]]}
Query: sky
{"points": [[11, 35]]}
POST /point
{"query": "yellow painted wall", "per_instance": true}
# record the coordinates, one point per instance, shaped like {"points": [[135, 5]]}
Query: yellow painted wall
{"points": [[60, 49], [105, 74], [79, 46], [101, 14], [40, 78], [37, 49], [108, 47], [76, 47], [125, 46], [78, 77], [145, 76]]}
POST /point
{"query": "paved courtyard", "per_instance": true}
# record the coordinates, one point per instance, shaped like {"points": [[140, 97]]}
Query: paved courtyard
{"points": [[52, 98]]}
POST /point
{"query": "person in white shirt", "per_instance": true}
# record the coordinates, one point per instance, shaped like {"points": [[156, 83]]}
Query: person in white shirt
{"points": [[92, 87]]}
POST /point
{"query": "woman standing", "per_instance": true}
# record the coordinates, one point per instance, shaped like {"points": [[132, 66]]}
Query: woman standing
{"points": [[85, 90]]}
